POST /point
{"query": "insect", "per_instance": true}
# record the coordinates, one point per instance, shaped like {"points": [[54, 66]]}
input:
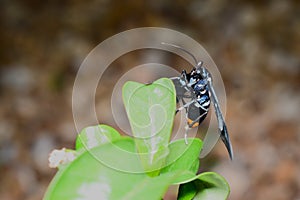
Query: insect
{"points": [[195, 92]]}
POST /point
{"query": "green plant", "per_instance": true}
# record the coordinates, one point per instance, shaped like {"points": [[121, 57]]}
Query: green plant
{"points": [[107, 165]]}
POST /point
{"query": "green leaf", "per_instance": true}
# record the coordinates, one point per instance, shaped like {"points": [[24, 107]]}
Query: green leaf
{"points": [[91, 177], [94, 136], [151, 109], [205, 186], [183, 157]]}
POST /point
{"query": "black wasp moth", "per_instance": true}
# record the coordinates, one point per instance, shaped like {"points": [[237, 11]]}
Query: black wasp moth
{"points": [[195, 92]]}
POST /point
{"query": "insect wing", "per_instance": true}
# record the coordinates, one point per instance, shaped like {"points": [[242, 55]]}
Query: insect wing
{"points": [[221, 123], [180, 90]]}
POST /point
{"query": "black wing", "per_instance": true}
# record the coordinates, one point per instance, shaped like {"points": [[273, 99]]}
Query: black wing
{"points": [[221, 123]]}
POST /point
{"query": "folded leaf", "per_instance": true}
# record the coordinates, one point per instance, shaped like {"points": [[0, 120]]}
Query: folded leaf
{"points": [[205, 186]]}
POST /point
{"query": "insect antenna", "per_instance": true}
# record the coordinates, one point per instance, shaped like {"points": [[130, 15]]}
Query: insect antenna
{"points": [[186, 51]]}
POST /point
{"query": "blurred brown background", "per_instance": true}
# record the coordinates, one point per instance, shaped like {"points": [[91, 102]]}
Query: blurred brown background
{"points": [[255, 44]]}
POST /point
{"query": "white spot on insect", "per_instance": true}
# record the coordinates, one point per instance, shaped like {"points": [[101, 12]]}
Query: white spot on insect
{"points": [[60, 157], [206, 103], [94, 191], [192, 81], [203, 91], [197, 104], [182, 82]]}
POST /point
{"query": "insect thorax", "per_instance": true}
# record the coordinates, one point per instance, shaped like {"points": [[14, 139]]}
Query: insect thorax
{"points": [[199, 89]]}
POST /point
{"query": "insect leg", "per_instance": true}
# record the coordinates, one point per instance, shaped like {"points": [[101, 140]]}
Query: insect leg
{"points": [[187, 128], [196, 120], [205, 109], [185, 105]]}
